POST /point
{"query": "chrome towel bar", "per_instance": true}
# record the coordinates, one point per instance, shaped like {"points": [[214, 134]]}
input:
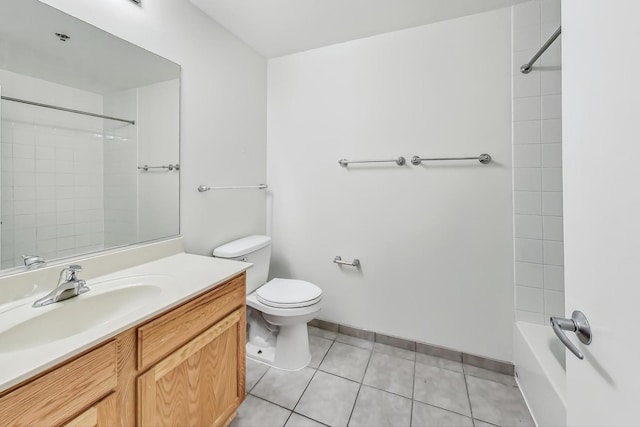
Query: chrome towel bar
{"points": [[203, 188], [354, 263], [482, 158], [170, 167], [400, 161]]}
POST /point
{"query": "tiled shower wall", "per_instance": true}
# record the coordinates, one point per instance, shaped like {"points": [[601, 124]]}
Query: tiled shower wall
{"points": [[52, 202], [537, 162]]}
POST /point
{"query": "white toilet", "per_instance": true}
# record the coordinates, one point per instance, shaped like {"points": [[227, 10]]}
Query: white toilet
{"points": [[277, 310]]}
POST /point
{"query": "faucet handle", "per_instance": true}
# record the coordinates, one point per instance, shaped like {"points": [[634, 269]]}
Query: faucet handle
{"points": [[75, 268]]}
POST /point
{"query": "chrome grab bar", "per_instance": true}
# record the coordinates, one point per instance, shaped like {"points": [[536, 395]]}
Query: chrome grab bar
{"points": [[354, 263], [203, 188], [526, 68], [400, 161], [482, 158], [578, 324], [170, 167]]}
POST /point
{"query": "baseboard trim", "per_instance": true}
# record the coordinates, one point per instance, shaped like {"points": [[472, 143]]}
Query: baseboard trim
{"points": [[419, 347]]}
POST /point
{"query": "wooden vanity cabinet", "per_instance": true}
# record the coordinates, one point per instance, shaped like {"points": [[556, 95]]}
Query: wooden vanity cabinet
{"points": [[184, 367]]}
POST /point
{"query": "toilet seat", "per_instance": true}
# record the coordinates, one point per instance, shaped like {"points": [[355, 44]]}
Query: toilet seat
{"points": [[288, 293]]}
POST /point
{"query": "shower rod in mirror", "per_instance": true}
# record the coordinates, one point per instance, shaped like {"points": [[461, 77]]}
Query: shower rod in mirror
{"points": [[68, 110], [203, 188]]}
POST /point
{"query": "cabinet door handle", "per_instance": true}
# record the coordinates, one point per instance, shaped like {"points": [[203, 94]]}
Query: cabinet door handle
{"points": [[578, 324]]}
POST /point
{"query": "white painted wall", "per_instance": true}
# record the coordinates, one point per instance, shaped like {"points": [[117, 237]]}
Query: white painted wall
{"points": [[52, 201], [158, 129], [223, 110], [435, 241], [537, 163]]}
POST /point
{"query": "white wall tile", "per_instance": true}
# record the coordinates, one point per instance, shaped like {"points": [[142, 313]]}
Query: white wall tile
{"points": [[550, 82], [552, 179], [527, 202], [551, 131], [527, 155], [553, 253], [528, 274], [527, 108], [529, 132], [530, 317], [552, 155], [526, 37], [550, 13], [551, 107], [526, 85], [527, 15], [528, 250], [552, 203], [23, 151], [528, 226], [527, 179], [554, 303], [554, 277], [552, 228], [529, 299]]}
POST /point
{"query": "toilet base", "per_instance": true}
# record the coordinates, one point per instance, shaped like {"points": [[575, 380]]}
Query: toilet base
{"points": [[290, 353]]}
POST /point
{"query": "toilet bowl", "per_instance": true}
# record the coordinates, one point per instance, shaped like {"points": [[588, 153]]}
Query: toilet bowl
{"points": [[277, 311]]}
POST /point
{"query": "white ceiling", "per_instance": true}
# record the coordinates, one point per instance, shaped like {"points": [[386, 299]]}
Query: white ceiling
{"points": [[91, 60], [280, 27]]}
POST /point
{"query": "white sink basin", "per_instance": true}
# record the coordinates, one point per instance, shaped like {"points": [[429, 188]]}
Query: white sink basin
{"points": [[104, 303]]}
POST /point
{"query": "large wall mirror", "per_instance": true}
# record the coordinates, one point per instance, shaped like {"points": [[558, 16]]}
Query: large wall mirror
{"points": [[82, 113]]}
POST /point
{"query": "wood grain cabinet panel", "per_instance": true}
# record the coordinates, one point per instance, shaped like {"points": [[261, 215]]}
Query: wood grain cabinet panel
{"points": [[201, 383], [166, 333], [63, 392]]}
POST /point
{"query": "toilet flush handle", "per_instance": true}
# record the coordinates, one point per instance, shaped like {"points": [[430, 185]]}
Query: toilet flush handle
{"points": [[244, 259]]}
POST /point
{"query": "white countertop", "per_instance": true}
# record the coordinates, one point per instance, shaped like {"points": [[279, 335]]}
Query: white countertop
{"points": [[180, 277]]}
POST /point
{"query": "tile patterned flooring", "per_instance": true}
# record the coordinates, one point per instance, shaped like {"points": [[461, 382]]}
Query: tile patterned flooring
{"points": [[354, 382]]}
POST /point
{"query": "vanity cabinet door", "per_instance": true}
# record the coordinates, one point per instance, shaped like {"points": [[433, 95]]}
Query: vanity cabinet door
{"points": [[201, 383]]}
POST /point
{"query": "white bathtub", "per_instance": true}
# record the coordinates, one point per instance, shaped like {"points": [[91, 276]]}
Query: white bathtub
{"points": [[540, 370]]}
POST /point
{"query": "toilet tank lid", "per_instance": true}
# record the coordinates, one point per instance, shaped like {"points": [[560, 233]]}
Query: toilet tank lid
{"points": [[241, 247]]}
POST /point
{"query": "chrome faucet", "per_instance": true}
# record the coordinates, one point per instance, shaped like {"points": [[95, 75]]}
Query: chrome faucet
{"points": [[69, 286], [33, 261]]}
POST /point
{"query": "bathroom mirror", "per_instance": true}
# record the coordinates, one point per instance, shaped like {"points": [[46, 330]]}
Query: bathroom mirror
{"points": [[82, 113]]}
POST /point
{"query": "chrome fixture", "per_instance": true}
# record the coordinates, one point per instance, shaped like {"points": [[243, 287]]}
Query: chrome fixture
{"points": [[138, 2], [354, 263], [33, 261], [526, 68], [400, 161], [69, 286], [203, 188], [483, 158], [170, 167], [578, 324], [68, 110]]}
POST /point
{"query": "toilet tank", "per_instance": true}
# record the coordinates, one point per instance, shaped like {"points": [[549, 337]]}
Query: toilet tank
{"points": [[254, 249]]}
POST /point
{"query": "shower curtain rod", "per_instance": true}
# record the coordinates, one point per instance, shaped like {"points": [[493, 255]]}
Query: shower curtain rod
{"points": [[526, 68], [68, 110]]}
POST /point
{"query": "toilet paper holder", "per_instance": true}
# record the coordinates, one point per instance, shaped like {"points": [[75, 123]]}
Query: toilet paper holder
{"points": [[354, 263]]}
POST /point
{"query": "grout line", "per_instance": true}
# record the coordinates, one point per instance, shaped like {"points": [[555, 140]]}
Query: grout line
{"points": [[360, 387], [466, 386], [413, 389], [309, 383]]}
